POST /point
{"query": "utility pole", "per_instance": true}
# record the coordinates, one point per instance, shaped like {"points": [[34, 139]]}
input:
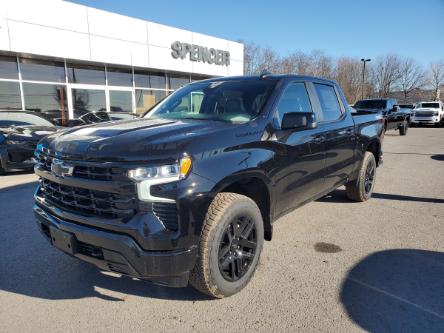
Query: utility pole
{"points": [[363, 75]]}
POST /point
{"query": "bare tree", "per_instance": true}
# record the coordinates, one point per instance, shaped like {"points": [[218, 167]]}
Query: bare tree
{"points": [[321, 64], [386, 73], [297, 63], [347, 73], [411, 76], [257, 59], [436, 76]]}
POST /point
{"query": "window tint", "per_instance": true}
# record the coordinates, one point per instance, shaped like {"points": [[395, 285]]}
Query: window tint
{"points": [[120, 101], [88, 100], [8, 68], [41, 70], [175, 82], [86, 74], [294, 99], [230, 101], [119, 77], [149, 80], [45, 98], [329, 102], [10, 95]]}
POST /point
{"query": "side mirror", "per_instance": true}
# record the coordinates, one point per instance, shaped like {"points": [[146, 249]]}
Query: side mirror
{"points": [[395, 108], [298, 120]]}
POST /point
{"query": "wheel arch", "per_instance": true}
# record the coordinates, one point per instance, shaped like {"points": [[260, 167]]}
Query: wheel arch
{"points": [[256, 187]]}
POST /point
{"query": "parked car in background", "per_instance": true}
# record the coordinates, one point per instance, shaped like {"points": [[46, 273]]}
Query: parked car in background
{"points": [[395, 119], [190, 191], [431, 113], [20, 131], [406, 108]]}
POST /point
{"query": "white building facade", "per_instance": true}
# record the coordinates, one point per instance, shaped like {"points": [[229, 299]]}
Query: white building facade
{"points": [[63, 59]]}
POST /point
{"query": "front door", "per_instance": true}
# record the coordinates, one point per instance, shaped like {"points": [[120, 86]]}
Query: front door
{"points": [[298, 168]]}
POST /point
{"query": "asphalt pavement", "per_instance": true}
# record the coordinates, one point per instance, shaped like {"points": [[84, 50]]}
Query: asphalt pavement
{"points": [[333, 265]]}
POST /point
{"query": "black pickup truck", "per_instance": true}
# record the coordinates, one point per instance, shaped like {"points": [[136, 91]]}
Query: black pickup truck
{"points": [[189, 192], [394, 117]]}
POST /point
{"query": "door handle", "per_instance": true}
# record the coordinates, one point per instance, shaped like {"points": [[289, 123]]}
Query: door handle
{"points": [[347, 131], [319, 139]]}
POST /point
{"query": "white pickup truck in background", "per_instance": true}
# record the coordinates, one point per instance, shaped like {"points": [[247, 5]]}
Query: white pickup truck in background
{"points": [[428, 113]]}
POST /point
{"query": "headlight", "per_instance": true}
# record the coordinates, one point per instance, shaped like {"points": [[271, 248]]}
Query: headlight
{"points": [[148, 176], [435, 113]]}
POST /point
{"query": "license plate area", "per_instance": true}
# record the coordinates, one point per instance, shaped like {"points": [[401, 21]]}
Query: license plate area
{"points": [[64, 241]]}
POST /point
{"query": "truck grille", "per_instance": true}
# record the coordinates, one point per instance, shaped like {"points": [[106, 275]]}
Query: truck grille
{"points": [[167, 214], [44, 159], [424, 114], [89, 202]]}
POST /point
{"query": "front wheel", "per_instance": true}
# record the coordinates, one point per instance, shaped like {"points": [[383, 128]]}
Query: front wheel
{"points": [[361, 189], [230, 245]]}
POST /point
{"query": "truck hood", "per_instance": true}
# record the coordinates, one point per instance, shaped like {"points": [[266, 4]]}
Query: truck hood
{"points": [[426, 109], [134, 140], [29, 133]]}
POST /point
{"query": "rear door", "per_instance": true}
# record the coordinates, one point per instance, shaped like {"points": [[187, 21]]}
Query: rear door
{"points": [[338, 131], [298, 167]]}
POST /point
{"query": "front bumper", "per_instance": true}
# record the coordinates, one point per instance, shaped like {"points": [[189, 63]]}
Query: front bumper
{"points": [[23, 159], [425, 120], [116, 252]]}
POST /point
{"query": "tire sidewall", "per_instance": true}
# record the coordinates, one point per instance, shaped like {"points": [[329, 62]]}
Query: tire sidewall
{"points": [[369, 158], [238, 208]]}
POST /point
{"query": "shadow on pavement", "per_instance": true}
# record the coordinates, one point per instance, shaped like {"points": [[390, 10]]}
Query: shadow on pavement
{"points": [[396, 291], [437, 157], [30, 266], [339, 196]]}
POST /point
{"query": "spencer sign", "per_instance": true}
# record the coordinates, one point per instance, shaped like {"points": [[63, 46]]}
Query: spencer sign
{"points": [[200, 53]]}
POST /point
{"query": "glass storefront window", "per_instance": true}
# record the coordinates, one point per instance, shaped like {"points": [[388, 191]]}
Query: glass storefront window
{"points": [[149, 80], [48, 99], [88, 100], [120, 101], [175, 82], [8, 68], [86, 74], [10, 96], [42, 70], [197, 78], [145, 99], [119, 77]]}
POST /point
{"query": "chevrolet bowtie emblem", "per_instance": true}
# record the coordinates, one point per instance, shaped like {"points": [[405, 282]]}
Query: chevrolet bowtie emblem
{"points": [[61, 169]]}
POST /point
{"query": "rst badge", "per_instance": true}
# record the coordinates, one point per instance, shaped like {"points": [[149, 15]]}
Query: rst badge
{"points": [[61, 169]]}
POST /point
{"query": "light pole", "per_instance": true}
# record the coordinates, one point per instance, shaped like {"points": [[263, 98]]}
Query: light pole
{"points": [[363, 74]]}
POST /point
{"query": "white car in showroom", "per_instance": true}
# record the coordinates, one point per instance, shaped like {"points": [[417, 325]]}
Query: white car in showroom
{"points": [[428, 113]]}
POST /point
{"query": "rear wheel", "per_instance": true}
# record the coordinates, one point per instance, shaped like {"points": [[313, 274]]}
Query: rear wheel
{"points": [[361, 189], [230, 246], [403, 128]]}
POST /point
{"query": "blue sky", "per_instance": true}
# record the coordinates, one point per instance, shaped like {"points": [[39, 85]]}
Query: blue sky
{"points": [[339, 28]]}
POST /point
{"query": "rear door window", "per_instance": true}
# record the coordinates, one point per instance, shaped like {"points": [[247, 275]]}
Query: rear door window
{"points": [[331, 109]]}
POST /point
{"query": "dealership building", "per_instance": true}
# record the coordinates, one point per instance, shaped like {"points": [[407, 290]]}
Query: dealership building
{"points": [[64, 60]]}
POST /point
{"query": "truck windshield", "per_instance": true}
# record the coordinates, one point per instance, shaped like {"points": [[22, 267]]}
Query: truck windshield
{"points": [[230, 101], [371, 104], [429, 105]]}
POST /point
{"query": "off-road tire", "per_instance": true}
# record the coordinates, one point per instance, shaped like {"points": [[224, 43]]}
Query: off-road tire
{"points": [[206, 276], [404, 128], [356, 190]]}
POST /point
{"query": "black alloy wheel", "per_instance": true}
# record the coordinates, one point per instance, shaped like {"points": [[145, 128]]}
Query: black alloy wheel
{"points": [[369, 177], [237, 248]]}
